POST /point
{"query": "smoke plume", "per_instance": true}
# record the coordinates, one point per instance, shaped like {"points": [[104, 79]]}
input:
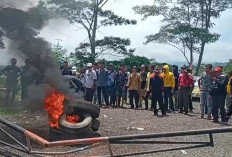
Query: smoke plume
{"points": [[21, 27]]}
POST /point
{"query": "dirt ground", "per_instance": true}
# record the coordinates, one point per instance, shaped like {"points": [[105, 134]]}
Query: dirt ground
{"points": [[125, 122]]}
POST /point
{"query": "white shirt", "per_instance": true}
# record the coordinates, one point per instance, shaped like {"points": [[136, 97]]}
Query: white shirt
{"points": [[90, 76], [128, 79]]}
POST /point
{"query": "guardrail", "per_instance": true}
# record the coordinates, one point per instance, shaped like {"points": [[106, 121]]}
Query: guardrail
{"points": [[99, 141]]}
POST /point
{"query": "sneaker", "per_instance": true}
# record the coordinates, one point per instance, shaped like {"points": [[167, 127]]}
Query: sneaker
{"points": [[208, 118]]}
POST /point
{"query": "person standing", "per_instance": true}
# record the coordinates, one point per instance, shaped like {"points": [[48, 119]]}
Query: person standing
{"points": [[186, 86], [90, 82], [81, 76], [169, 84], [190, 94], [65, 69], [134, 86], [125, 92], [102, 78], [26, 78], [205, 82], [218, 94], [95, 68], [229, 101], [156, 88], [111, 83], [142, 90], [176, 88], [147, 95], [12, 72], [228, 96]]}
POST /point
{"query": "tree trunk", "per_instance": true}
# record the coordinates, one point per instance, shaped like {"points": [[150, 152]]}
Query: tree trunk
{"points": [[200, 59], [93, 45]]}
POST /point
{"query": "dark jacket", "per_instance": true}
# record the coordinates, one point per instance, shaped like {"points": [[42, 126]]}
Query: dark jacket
{"points": [[156, 85], [176, 75], [218, 87]]}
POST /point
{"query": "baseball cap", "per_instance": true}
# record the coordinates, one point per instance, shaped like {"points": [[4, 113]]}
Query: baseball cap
{"points": [[89, 64], [111, 64], [218, 69]]}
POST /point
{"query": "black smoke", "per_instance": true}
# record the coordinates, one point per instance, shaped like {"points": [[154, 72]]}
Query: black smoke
{"points": [[22, 28]]}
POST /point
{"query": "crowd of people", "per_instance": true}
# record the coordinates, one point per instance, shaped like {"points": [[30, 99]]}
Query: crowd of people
{"points": [[170, 90]]}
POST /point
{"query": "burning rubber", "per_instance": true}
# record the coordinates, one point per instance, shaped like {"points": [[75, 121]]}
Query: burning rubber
{"points": [[99, 141]]}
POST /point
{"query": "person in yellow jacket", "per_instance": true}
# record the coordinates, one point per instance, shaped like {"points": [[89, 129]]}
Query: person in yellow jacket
{"points": [[169, 85], [228, 97]]}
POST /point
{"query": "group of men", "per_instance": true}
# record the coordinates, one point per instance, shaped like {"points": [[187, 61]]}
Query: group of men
{"points": [[111, 86]]}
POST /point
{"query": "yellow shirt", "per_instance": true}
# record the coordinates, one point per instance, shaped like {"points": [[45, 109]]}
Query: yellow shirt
{"points": [[135, 81], [229, 86], [149, 74]]}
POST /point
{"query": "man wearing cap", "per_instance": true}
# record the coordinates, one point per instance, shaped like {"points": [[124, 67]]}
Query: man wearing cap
{"points": [[90, 82], [156, 89], [186, 86], [111, 83], [169, 85], [134, 86], [218, 93]]}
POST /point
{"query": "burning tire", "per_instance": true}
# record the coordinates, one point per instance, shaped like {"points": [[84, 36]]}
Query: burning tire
{"points": [[95, 125], [76, 128], [85, 106]]}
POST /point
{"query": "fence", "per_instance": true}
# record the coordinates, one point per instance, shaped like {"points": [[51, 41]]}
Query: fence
{"points": [[99, 141]]}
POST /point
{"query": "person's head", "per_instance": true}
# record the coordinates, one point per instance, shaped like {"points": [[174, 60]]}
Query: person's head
{"points": [[165, 68], [82, 70], [185, 72], [151, 68], [182, 69], [101, 64], [111, 66], [134, 69], [156, 72], [218, 71], [95, 66], [65, 65], [157, 68], [122, 68], [208, 68], [13, 61], [89, 65], [143, 67], [126, 68]]}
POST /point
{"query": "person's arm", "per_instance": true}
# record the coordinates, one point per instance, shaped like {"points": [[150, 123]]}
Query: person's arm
{"points": [[94, 80], [139, 81], [4, 70], [231, 87], [173, 81], [179, 81]]}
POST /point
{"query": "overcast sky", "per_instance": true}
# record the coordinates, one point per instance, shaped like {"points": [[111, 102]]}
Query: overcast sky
{"points": [[70, 36]]}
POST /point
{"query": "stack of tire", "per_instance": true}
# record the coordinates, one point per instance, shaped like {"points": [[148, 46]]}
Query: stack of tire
{"points": [[88, 124], [88, 112]]}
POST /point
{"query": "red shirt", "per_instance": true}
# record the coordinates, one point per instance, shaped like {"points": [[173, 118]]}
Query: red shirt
{"points": [[185, 81]]}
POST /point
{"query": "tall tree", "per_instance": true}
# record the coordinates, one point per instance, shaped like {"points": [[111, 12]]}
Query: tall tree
{"points": [[91, 16], [184, 25], [60, 53]]}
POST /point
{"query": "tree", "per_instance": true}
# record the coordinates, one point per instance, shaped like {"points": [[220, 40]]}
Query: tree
{"points": [[90, 15], [185, 23], [59, 53], [228, 67]]}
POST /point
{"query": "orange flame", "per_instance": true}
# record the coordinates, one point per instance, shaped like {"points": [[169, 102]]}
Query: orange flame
{"points": [[72, 118], [54, 105]]}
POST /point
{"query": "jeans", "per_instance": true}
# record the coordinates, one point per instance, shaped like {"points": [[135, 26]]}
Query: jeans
{"points": [[95, 96], [89, 94], [184, 99], [147, 96], [103, 90], [168, 99], [176, 97], [219, 103], [158, 98], [205, 100], [111, 91], [133, 94]]}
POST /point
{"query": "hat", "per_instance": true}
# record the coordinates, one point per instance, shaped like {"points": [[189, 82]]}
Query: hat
{"points": [[218, 69], [89, 64], [111, 64]]}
